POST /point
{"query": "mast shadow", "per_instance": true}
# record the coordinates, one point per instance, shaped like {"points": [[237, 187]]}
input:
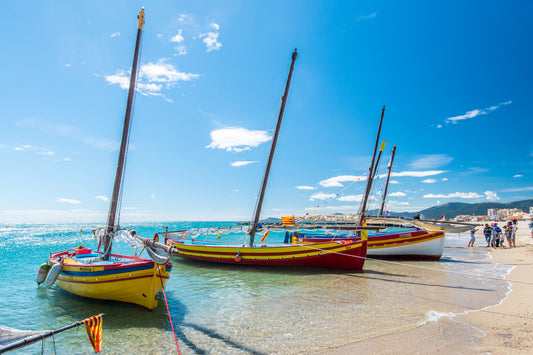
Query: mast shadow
{"points": [[363, 276], [214, 335]]}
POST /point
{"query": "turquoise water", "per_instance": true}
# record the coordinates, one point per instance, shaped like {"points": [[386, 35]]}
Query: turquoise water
{"points": [[224, 309]]}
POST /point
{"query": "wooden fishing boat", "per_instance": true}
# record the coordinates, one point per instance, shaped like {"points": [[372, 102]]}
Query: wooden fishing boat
{"points": [[336, 254], [410, 244], [107, 276], [121, 278]]}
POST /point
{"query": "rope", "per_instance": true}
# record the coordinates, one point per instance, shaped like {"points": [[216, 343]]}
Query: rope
{"points": [[425, 267], [168, 310]]}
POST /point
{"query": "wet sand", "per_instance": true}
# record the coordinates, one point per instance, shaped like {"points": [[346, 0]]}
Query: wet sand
{"points": [[499, 329]]}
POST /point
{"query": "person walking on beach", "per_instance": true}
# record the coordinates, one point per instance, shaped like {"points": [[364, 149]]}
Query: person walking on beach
{"points": [[509, 233], [487, 231], [515, 228], [495, 242], [530, 226], [472, 237]]}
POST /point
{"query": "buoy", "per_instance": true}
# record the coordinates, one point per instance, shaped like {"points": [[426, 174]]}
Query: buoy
{"points": [[238, 257], [81, 230], [52, 275], [42, 273]]}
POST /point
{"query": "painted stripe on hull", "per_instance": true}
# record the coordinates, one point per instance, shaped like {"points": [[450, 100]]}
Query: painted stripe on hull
{"points": [[327, 255]]}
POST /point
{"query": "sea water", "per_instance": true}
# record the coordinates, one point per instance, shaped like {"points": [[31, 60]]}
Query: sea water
{"points": [[226, 309]]}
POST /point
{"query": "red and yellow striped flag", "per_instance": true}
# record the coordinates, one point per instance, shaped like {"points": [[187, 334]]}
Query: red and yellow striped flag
{"points": [[93, 325], [287, 220]]}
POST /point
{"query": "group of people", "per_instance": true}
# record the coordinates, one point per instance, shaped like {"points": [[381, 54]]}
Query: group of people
{"points": [[495, 237]]}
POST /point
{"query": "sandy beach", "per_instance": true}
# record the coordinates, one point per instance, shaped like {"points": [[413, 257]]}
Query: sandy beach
{"points": [[499, 329]]}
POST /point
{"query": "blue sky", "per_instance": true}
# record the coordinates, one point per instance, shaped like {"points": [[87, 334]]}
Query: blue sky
{"points": [[455, 78]]}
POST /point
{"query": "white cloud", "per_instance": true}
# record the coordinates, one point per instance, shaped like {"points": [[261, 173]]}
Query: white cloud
{"points": [[477, 112], [444, 179], [517, 176], [306, 188], [439, 126], [24, 147], [152, 78], [355, 198], [465, 195], [211, 38], [367, 17], [530, 188], [177, 38], [416, 173], [491, 196], [336, 181], [47, 153], [351, 198], [242, 163], [431, 161], [397, 194], [237, 139], [333, 208], [152, 196], [67, 200], [162, 72], [321, 196], [429, 181], [115, 34], [394, 182], [182, 50], [103, 198]]}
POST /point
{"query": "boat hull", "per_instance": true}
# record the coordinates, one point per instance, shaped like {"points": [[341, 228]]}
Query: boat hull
{"points": [[421, 245], [135, 280], [337, 254]]}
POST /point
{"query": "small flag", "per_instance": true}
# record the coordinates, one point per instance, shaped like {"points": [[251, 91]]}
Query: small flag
{"points": [[442, 218], [287, 220], [93, 325], [264, 237]]}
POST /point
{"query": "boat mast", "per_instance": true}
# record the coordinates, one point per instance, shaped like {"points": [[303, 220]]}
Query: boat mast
{"points": [[387, 183], [259, 204], [370, 177], [113, 209]]}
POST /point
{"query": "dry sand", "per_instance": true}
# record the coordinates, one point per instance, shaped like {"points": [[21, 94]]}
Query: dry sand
{"points": [[500, 329]]}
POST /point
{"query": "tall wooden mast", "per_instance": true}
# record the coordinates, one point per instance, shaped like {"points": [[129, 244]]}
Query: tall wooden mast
{"points": [[387, 183], [259, 204], [113, 209], [370, 177]]}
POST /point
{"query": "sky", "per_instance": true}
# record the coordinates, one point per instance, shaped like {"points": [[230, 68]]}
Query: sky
{"points": [[455, 78]]}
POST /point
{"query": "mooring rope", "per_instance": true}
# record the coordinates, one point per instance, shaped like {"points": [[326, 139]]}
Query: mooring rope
{"points": [[168, 310]]}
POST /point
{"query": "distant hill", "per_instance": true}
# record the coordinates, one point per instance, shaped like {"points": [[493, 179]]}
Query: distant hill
{"points": [[453, 209]]}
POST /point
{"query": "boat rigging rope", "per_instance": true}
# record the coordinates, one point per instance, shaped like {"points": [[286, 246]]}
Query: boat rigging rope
{"points": [[168, 310], [423, 267]]}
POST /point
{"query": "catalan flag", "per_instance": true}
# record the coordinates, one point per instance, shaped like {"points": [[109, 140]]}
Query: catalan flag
{"points": [[287, 220], [93, 325]]}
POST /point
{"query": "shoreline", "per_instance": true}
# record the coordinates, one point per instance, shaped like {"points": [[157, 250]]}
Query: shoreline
{"points": [[503, 328]]}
